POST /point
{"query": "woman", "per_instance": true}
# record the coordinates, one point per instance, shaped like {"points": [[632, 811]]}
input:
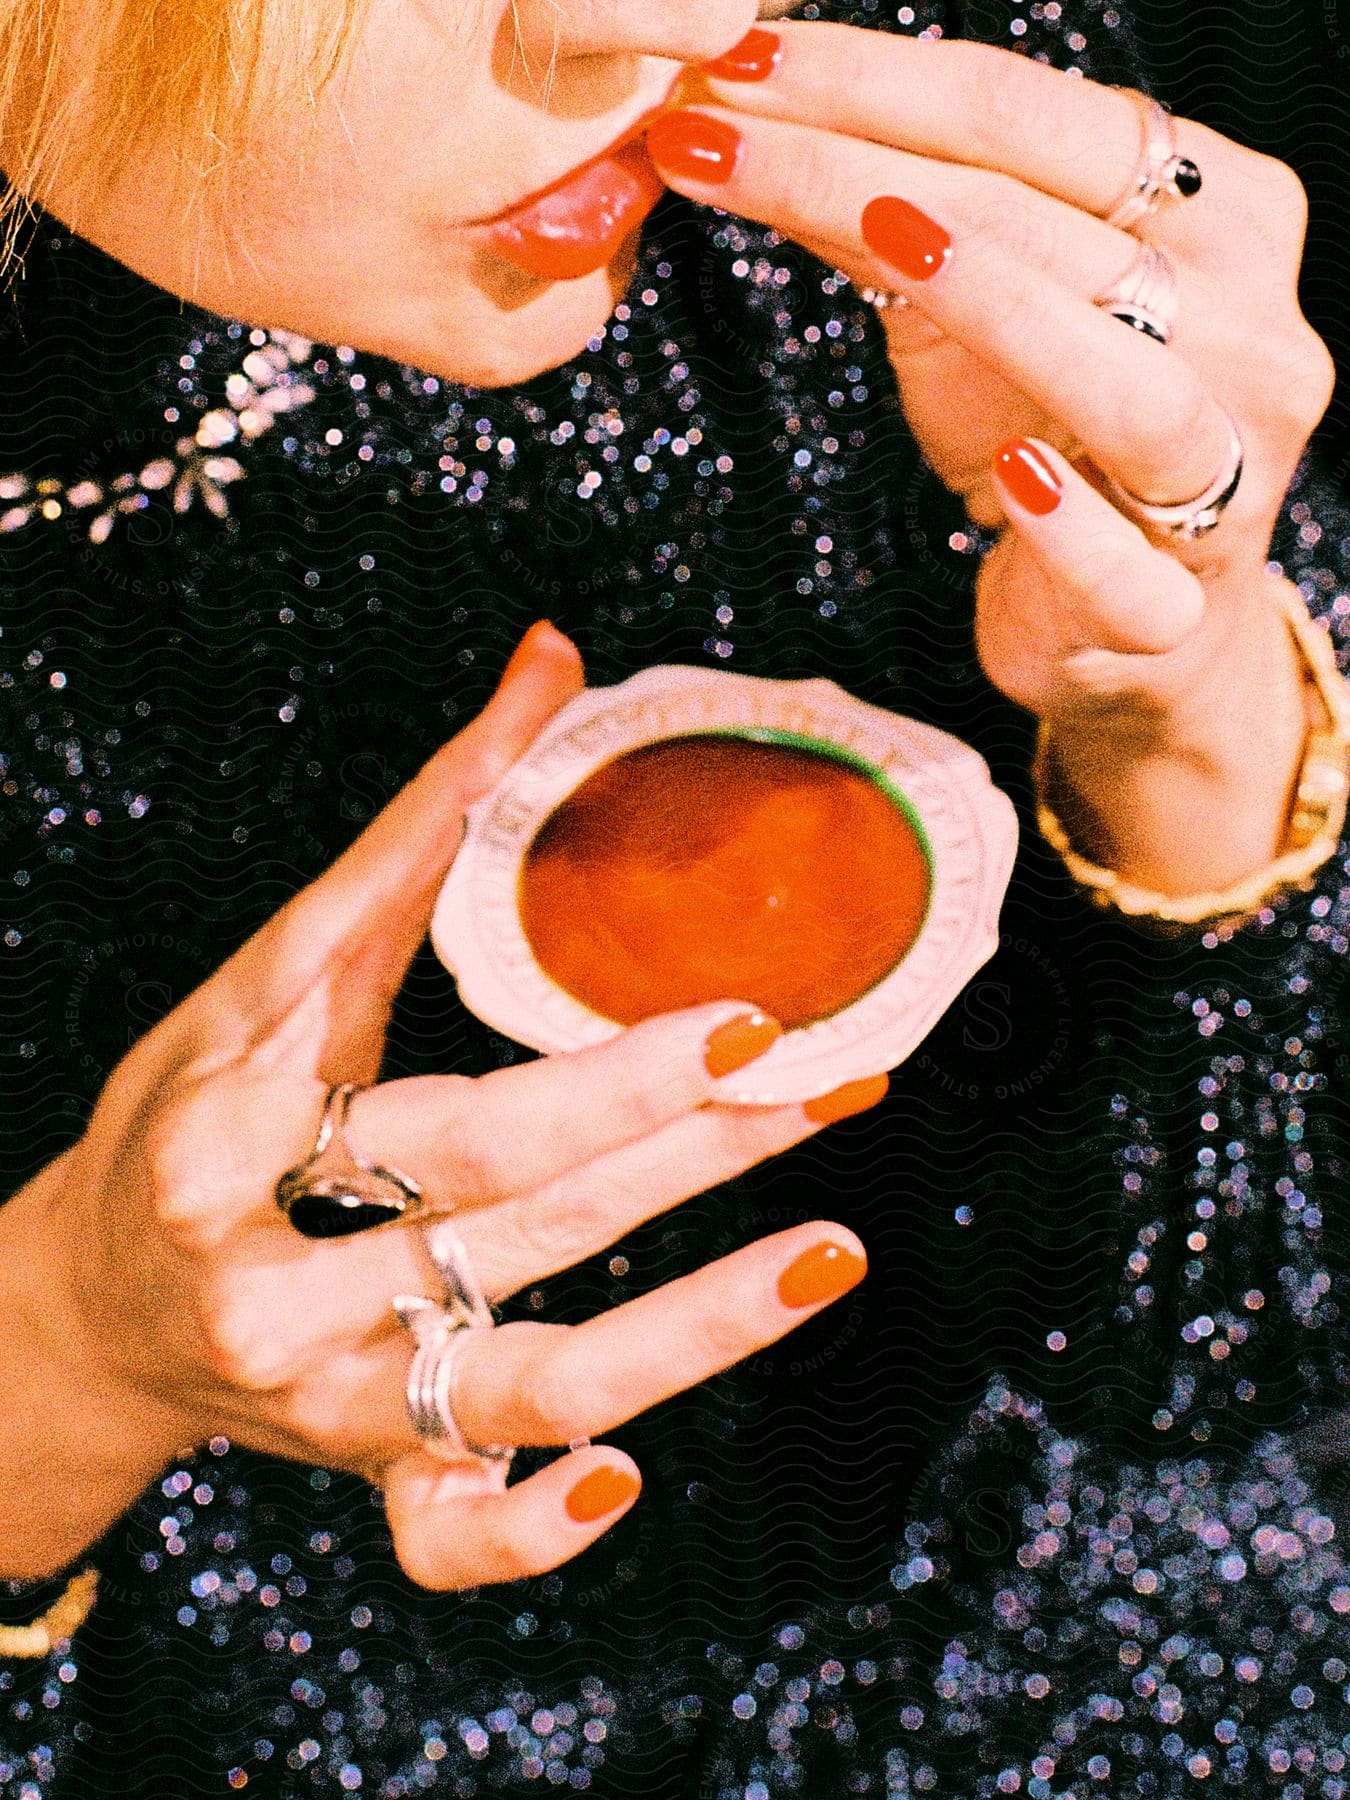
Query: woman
{"points": [[939, 1415]]}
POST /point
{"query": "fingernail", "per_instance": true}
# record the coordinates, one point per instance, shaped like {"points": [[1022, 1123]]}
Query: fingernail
{"points": [[694, 146], [821, 1273], [905, 237], [1028, 477], [739, 1042], [603, 1491], [843, 1102], [754, 59]]}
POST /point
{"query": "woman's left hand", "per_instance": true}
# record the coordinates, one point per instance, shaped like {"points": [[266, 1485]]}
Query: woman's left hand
{"points": [[974, 183]]}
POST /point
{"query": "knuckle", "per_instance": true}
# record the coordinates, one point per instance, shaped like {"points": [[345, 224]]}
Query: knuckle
{"points": [[647, 1106], [550, 1403], [994, 98], [1272, 209], [238, 1348], [420, 1562], [720, 1339], [747, 1136], [1106, 572], [1310, 377], [189, 1165], [1154, 430], [1282, 192], [320, 1416], [504, 1551], [166, 1158], [178, 1176], [857, 62], [468, 1160], [832, 203], [1013, 222], [565, 1225]]}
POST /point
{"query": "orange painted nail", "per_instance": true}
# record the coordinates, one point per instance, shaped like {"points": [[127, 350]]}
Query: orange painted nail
{"points": [[603, 1491], [739, 1042], [853, 1097], [821, 1273]]}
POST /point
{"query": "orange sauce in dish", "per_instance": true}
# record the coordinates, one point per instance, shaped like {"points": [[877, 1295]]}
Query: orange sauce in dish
{"points": [[714, 867]]}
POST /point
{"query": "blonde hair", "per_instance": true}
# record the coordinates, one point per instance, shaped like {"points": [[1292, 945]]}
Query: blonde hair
{"points": [[84, 82]]}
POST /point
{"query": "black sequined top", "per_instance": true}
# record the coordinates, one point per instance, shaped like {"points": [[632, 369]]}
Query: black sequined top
{"points": [[1055, 1503]]}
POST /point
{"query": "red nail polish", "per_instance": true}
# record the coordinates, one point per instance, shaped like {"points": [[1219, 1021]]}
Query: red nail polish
{"points": [[754, 59], [694, 147], [905, 237], [1028, 477]]}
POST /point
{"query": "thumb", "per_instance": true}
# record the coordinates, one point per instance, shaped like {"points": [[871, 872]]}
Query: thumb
{"points": [[1075, 603], [359, 925]]}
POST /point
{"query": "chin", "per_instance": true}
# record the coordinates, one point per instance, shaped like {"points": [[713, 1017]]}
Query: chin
{"points": [[530, 325]]}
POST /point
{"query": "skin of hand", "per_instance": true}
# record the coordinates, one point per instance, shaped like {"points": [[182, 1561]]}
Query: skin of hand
{"points": [[159, 1296], [974, 183]]}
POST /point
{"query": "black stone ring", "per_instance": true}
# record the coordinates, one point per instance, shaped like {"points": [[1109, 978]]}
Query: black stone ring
{"points": [[1163, 174], [335, 1192]]}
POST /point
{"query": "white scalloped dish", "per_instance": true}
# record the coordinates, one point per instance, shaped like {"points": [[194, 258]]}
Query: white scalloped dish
{"points": [[693, 835]]}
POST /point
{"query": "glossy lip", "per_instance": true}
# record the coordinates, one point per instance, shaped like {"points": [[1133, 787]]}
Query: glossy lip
{"points": [[579, 223]]}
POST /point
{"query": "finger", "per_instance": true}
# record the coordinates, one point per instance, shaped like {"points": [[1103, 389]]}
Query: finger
{"points": [[528, 1383], [344, 1288], [1110, 605], [815, 183], [982, 106], [1144, 415], [531, 1384], [353, 931], [465, 1143], [319, 1295], [684, 30], [448, 1536], [469, 1143], [530, 1238]]}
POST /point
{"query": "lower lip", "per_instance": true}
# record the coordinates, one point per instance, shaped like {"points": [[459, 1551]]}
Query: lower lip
{"points": [[580, 225]]}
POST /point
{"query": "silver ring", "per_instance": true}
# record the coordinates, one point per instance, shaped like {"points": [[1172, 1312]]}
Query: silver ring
{"points": [[1146, 297], [439, 1338], [1192, 518], [463, 1297], [881, 298], [1163, 173], [335, 1192]]}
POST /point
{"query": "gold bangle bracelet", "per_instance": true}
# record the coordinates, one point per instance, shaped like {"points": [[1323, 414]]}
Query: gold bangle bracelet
{"points": [[1316, 821], [61, 1620]]}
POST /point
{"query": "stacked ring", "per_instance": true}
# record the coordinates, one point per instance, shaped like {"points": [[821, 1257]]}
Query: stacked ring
{"points": [[1146, 297], [1190, 519], [439, 1338], [1163, 173], [440, 1329]]}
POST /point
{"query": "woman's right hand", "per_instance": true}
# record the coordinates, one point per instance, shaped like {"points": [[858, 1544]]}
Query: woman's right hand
{"points": [[172, 1277]]}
